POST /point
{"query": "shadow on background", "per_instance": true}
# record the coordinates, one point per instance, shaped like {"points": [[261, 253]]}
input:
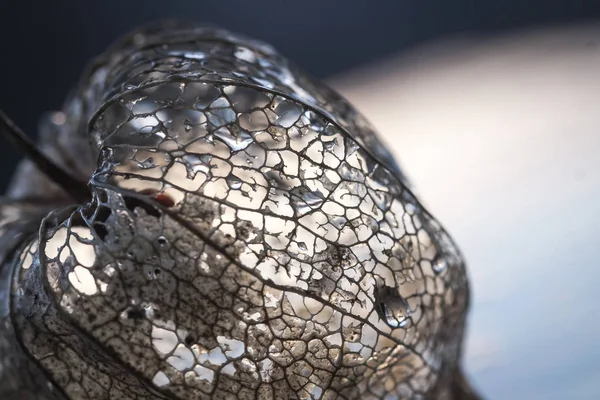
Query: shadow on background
{"points": [[45, 45]]}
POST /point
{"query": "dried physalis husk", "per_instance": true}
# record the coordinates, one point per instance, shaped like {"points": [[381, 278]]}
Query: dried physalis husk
{"points": [[246, 236]]}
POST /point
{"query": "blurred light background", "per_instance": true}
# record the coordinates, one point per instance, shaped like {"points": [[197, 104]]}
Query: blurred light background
{"points": [[500, 138], [491, 107]]}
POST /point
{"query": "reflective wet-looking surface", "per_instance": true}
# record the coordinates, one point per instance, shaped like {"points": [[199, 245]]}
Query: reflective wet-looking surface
{"points": [[248, 237]]}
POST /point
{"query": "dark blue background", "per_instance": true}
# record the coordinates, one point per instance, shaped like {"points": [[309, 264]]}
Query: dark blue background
{"points": [[46, 44]]}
